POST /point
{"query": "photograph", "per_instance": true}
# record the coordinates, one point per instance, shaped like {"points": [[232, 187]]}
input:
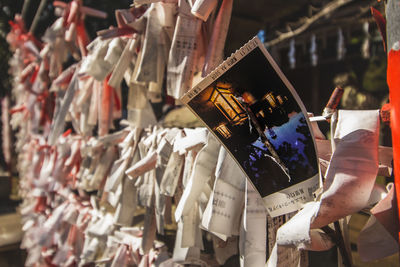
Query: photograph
{"points": [[257, 118]]}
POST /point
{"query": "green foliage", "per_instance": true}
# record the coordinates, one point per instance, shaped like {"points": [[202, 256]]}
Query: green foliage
{"points": [[375, 76], [355, 40]]}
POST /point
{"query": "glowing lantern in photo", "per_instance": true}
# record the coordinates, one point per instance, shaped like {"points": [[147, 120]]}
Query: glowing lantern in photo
{"points": [[271, 100], [223, 130], [223, 98], [280, 100]]}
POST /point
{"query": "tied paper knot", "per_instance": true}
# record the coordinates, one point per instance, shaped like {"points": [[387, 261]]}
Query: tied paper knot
{"points": [[349, 182], [353, 167]]}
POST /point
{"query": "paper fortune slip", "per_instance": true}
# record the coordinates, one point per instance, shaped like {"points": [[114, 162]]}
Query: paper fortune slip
{"points": [[253, 110]]}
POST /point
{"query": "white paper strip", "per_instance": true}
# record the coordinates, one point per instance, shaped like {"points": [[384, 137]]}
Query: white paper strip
{"points": [[182, 55], [202, 171]]}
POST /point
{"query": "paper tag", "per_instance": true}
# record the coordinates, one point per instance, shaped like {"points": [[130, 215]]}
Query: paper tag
{"points": [[355, 147], [113, 139], [282, 255], [142, 118], [182, 56], [146, 189], [147, 69], [229, 171], [149, 231], [171, 175], [89, 250], [103, 226], [102, 169], [57, 126], [117, 172], [181, 253], [215, 52], [355, 157], [94, 106], [253, 234], [190, 227], [226, 202], [121, 257], [127, 207], [193, 138], [95, 64], [203, 8], [160, 207], [123, 63], [164, 151], [202, 171], [144, 165], [114, 51], [114, 197], [297, 232]]}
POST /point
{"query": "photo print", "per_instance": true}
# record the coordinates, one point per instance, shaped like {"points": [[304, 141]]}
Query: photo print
{"points": [[260, 120]]}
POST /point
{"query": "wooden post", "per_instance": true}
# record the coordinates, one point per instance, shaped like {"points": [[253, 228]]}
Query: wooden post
{"points": [[37, 16], [25, 8]]}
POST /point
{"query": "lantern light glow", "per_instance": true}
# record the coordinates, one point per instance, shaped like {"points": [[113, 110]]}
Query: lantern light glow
{"points": [[226, 102], [223, 130]]}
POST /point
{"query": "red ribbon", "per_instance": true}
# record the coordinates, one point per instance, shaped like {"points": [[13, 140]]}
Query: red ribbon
{"points": [[40, 204], [393, 80]]}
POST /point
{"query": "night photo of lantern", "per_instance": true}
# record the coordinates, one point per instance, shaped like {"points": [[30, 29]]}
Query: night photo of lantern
{"points": [[223, 98], [246, 100]]}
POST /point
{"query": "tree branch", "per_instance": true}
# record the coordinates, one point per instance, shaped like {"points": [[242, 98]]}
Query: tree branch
{"points": [[328, 8]]}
